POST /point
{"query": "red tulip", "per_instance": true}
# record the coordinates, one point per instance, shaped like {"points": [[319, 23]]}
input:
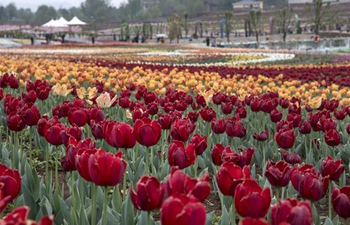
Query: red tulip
{"points": [[217, 152], [294, 118], [283, 124], [304, 127], [81, 162], [4, 200], [78, 116], [241, 112], [292, 158], [341, 201], [340, 114], [119, 135], [227, 108], [251, 221], [207, 114], [229, 176], [255, 104], [348, 128], [327, 124], [309, 184], [74, 146], [294, 108], [193, 117], [165, 121], [10, 182], [263, 136], [275, 115], [292, 212], [218, 98], [180, 183], [251, 200], [149, 193], [29, 97], [95, 114], [147, 132], [181, 156], [15, 122], [241, 159], [149, 97], [333, 169], [278, 173], [97, 129], [1, 94], [30, 114], [42, 92], [13, 82], [332, 137], [19, 216], [182, 129], [218, 126], [284, 103], [199, 143], [53, 133], [66, 165], [180, 105], [106, 169], [68, 132], [285, 138], [182, 209], [235, 128], [124, 102]]}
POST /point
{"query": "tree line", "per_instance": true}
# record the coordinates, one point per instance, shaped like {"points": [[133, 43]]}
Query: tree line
{"points": [[101, 10]]}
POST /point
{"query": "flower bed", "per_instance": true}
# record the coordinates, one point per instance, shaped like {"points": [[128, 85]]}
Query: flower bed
{"points": [[145, 144]]}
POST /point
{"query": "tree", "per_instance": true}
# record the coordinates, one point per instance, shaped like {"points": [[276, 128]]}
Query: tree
{"points": [[320, 13], [97, 10], [228, 24], [174, 24], [283, 20], [11, 11], [255, 21], [44, 14], [186, 23]]}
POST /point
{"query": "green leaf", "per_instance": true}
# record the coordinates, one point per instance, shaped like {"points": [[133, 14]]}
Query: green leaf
{"points": [[328, 222], [209, 218], [201, 162], [45, 206], [225, 217], [315, 216], [128, 211], [336, 220], [116, 200]]}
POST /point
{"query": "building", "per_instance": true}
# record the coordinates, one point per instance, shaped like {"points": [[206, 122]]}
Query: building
{"points": [[247, 5], [148, 4]]}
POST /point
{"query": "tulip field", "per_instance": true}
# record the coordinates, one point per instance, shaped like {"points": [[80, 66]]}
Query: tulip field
{"points": [[170, 134]]}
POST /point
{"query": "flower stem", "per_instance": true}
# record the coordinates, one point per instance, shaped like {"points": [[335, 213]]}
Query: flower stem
{"points": [[278, 193], [56, 170], [47, 167], [147, 158], [104, 218], [149, 218], [233, 213], [124, 186], [152, 160], [93, 202], [329, 200]]}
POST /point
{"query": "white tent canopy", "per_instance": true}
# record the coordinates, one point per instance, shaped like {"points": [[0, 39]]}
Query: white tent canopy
{"points": [[56, 23], [49, 24], [75, 22], [62, 20]]}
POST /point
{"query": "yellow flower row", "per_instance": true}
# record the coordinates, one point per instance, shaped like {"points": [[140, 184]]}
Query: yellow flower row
{"points": [[85, 74]]}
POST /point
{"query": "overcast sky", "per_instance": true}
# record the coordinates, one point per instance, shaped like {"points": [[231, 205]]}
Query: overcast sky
{"points": [[34, 4]]}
